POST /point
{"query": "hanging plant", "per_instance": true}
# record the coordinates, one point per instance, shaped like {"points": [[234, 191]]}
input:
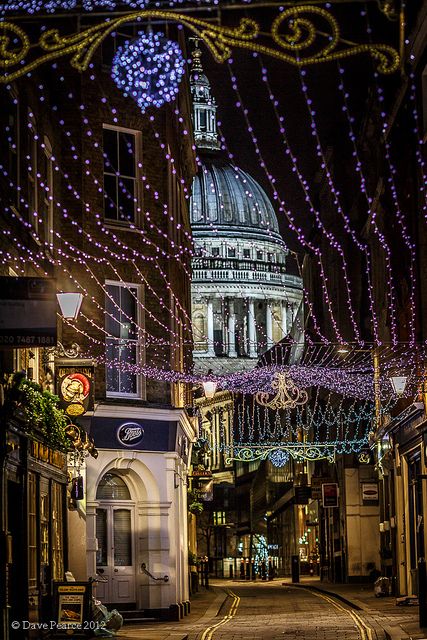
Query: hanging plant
{"points": [[37, 410], [149, 69], [196, 508]]}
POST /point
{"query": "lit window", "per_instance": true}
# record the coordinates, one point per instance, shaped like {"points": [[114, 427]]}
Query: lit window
{"points": [[120, 186], [57, 532], [122, 348], [218, 517]]}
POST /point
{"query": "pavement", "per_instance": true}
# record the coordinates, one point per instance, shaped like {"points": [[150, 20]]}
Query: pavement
{"points": [[276, 610]]}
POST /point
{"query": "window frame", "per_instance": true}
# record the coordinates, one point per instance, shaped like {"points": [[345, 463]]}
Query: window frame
{"points": [[139, 342], [138, 201]]}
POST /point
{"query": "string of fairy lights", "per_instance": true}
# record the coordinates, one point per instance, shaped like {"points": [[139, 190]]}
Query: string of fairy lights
{"points": [[165, 67]]}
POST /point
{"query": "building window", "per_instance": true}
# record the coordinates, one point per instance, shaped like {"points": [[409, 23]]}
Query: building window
{"points": [[46, 198], [259, 255], [215, 251], [10, 118], [246, 253], [32, 530], [122, 346], [218, 517], [424, 101], [57, 532], [32, 183], [120, 175], [112, 487], [231, 252], [270, 257]]}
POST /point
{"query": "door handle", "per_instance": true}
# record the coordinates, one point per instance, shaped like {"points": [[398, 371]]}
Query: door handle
{"points": [[100, 570], [116, 570]]}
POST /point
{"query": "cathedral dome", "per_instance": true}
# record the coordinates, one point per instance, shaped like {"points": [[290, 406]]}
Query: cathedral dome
{"points": [[229, 201]]}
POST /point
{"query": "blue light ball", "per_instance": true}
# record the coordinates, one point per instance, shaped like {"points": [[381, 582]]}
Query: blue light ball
{"points": [[149, 70], [278, 457]]}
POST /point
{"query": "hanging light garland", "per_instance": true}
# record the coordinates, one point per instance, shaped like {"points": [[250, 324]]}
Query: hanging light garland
{"points": [[149, 69]]}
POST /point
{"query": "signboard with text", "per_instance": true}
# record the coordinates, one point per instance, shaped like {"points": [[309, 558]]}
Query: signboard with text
{"points": [[27, 312], [72, 616], [330, 494]]}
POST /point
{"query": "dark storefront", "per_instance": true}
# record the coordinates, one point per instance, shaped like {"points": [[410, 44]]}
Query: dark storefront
{"points": [[34, 527]]}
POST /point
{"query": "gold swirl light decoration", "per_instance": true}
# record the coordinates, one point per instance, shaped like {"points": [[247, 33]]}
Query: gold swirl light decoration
{"points": [[293, 47], [288, 395]]}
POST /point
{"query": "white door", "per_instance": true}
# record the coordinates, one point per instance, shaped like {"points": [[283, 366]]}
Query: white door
{"points": [[115, 554]]}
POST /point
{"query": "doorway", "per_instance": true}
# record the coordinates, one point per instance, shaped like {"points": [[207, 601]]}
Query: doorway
{"points": [[115, 556]]}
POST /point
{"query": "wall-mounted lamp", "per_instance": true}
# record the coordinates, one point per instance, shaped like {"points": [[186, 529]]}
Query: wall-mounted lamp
{"points": [[70, 304], [399, 384]]}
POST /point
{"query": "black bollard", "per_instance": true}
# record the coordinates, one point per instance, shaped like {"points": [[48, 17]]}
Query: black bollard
{"points": [[422, 592], [295, 568], [207, 574]]}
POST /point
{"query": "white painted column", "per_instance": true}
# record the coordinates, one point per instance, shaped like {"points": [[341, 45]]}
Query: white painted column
{"points": [[269, 325], [253, 351], [231, 330], [210, 322], [284, 320]]}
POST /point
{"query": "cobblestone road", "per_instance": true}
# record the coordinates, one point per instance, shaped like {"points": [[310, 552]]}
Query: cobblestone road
{"points": [[275, 612]]}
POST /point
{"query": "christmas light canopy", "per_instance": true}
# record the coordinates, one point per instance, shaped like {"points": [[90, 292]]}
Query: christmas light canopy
{"points": [[70, 304], [149, 70]]}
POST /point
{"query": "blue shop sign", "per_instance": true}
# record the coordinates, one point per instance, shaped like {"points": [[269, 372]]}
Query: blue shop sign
{"points": [[128, 433]]}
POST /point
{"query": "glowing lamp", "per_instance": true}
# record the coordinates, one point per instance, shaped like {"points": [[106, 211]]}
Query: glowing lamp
{"points": [[399, 384], [70, 304], [209, 386]]}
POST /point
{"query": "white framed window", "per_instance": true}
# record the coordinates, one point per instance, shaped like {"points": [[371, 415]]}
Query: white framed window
{"points": [[123, 342], [246, 253], [121, 150]]}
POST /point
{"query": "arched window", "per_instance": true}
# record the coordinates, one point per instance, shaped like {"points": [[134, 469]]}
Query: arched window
{"points": [[112, 487]]}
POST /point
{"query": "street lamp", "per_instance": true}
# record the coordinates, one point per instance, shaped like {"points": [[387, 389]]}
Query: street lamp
{"points": [[70, 304], [209, 386]]}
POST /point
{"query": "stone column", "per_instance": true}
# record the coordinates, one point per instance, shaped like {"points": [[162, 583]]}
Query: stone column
{"points": [[269, 325], [284, 320], [210, 323], [231, 330], [253, 348]]}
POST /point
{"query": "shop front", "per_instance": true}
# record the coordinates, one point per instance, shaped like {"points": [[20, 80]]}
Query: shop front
{"points": [[34, 525], [135, 510]]}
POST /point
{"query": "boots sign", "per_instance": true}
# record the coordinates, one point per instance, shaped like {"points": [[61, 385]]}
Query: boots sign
{"points": [[129, 434]]}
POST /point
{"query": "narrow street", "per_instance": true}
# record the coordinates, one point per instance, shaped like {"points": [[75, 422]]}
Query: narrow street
{"points": [[264, 611]]}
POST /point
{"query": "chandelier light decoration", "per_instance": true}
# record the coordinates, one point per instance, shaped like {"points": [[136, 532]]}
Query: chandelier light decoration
{"points": [[149, 69], [288, 395]]}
